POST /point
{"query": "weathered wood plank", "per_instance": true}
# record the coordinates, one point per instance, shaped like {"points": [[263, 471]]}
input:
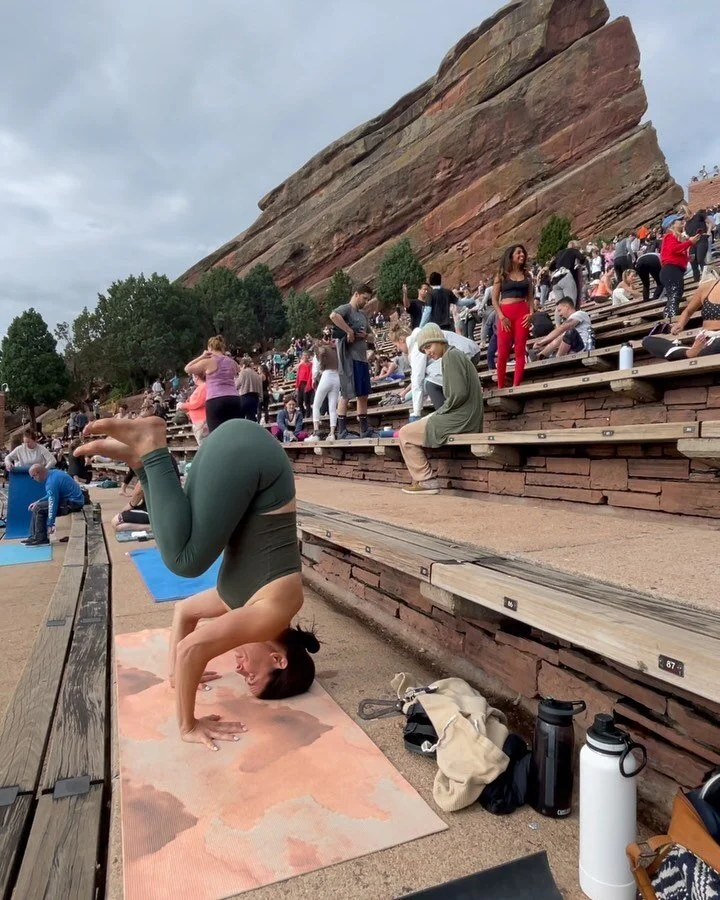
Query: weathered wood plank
{"points": [[77, 738], [62, 852], [662, 431], [701, 621], [673, 369], [97, 554], [75, 550], [711, 429], [405, 559], [14, 820], [700, 448], [619, 634], [25, 728], [428, 544]]}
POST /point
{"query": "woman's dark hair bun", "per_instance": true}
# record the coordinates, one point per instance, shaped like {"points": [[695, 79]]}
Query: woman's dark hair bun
{"points": [[308, 639]]}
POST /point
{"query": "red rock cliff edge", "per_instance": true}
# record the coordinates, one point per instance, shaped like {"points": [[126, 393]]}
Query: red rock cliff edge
{"points": [[537, 111]]}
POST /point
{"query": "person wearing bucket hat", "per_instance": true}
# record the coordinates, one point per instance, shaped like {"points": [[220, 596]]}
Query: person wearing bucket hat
{"points": [[674, 256], [461, 413]]}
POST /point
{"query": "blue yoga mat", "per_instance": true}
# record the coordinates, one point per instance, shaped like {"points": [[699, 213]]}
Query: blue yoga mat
{"points": [[22, 491], [161, 582], [19, 554]]}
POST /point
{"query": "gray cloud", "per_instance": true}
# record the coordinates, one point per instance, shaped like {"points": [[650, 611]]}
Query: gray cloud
{"points": [[140, 136]]}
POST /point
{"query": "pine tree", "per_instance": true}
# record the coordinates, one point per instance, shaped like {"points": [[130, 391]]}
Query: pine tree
{"points": [[399, 266], [303, 316], [34, 371], [339, 291], [553, 238], [266, 302]]}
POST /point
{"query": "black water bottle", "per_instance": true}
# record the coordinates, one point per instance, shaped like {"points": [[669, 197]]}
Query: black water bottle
{"points": [[553, 763]]}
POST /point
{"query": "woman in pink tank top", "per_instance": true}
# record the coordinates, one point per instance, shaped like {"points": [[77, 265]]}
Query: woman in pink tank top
{"points": [[220, 370]]}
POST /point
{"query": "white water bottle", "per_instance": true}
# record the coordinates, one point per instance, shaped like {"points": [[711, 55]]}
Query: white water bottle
{"points": [[608, 809], [626, 356]]}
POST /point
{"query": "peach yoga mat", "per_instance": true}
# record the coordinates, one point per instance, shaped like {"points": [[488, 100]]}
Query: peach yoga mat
{"points": [[304, 788]]}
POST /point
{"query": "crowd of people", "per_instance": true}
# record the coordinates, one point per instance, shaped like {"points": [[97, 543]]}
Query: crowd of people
{"points": [[526, 309]]}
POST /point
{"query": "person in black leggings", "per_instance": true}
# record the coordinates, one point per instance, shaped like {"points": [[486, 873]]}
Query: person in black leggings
{"points": [[706, 299], [697, 225], [674, 254], [648, 266]]}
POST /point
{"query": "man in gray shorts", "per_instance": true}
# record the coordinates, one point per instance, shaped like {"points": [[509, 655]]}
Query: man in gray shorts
{"points": [[351, 333]]}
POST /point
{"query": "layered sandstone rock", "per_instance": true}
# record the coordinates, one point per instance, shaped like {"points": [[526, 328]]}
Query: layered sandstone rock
{"points": [[535, 112]]}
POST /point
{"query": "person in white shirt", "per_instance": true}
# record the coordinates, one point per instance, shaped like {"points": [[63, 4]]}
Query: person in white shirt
{"points": [[28, 453], [573, 335], [157, 387], [425, 373], [626, 290]]}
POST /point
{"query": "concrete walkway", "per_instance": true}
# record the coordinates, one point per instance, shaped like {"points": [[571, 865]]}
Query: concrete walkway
{"points": [[663, 555], [357, 662]]}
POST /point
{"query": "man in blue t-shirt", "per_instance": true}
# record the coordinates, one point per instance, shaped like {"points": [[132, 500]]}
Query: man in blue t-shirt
{"points": [[63, 495]]}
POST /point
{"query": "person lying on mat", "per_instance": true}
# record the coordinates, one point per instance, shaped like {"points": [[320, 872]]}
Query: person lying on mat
{"points": [[238, 501]]}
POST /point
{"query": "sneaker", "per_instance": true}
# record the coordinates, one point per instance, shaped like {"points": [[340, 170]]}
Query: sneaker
{"points": [[423, 487], [370, 433], [343, 435], [330, 439], [312, 439], [36, 542]]}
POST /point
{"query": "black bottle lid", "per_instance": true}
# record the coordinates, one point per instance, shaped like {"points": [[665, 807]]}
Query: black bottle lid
{"points": [[605, 732], [559, 712]]}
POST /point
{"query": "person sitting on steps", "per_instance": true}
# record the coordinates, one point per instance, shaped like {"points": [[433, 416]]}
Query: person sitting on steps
{"points": [[63, 495], [461, 413], [706, 299]]}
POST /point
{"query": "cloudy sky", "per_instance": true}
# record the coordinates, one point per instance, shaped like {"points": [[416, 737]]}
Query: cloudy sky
{"points": [[138, 136]]}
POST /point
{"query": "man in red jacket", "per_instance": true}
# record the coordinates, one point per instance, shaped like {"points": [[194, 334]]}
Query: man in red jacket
{"points": [[674, 256]]}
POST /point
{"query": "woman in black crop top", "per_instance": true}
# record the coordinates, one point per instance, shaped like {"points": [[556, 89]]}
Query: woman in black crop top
{"points": [[706, 299], [512, 298]]}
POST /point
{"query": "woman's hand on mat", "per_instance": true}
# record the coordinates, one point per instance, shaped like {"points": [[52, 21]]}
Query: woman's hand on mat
{"points": [[209, 729]]}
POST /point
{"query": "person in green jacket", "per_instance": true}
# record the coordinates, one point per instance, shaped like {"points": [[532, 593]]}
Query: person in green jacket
{"points": [[461, 413]]}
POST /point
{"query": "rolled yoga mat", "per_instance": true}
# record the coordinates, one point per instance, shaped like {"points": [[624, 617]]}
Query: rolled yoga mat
{"points": [[22, 491], [302, 789]]}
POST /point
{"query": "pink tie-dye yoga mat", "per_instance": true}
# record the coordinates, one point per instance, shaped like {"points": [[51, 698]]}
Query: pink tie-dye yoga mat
{"points": [[303, 789]]}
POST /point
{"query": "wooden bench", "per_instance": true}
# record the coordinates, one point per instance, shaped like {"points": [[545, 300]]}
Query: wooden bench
{"points": [[635, 629], [54, 740]]}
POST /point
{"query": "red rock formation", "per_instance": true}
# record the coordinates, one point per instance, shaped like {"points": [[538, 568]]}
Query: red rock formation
{"points": [[704, 193], [535, 112]]}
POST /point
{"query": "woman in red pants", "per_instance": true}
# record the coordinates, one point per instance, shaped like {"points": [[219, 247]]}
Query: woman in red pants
{"points": [[512, 297]]}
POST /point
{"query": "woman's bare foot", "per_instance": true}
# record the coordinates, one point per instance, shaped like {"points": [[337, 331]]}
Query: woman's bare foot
{"points": [[139, 436]]}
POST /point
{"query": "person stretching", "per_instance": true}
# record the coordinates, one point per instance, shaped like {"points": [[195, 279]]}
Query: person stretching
{"points": [[222, 400], [706, 299], [462, 411], [63, 495], [512, 299], [238, 501]]}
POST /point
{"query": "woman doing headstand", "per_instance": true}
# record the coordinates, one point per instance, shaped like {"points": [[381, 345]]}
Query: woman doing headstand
{"points": [[238, 500]]}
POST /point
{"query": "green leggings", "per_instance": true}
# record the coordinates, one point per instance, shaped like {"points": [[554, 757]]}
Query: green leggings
{"points": [[239, 473]]}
